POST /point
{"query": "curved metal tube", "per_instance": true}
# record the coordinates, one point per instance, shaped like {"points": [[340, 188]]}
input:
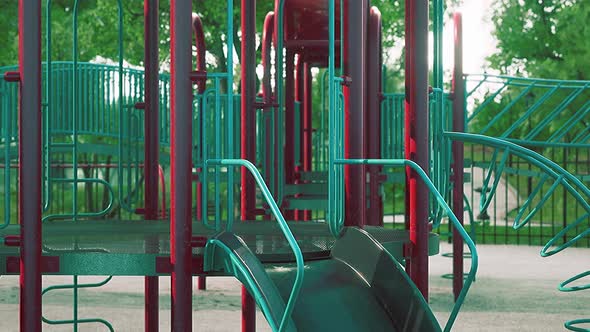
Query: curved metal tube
{"points": [[441, 201], [282, 224]]}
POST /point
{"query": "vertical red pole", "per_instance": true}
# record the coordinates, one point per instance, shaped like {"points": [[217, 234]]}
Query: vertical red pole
{"points": [[355, 43], [248, 137], [267, 37], [29, 50], [151, 171], [181, 163], [458, 126], [373, 127], [416, 138], [202, 69], [306, 126], [248, 97]]}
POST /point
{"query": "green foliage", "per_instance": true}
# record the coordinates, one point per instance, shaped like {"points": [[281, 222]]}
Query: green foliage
{"points": [[548, 38], [9, 35]]}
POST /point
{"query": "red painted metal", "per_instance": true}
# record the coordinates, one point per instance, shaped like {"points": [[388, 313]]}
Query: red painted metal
{"points": [[267, 94], [355, 29], [47, 264], [248, 133], [248, 312], [200, 78], [151, 158], [181, 164], [373, 127], [248, 112], [458, 126], [12, 76], [29, 49], [416, 139], [201, 283], [200, 75]]}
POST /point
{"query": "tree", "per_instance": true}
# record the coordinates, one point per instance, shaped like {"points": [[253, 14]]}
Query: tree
{"points": [[543, 38]]}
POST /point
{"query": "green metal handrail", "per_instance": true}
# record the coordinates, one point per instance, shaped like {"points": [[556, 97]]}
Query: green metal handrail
{"points": [[570, 182], [75, 287], [337, 227], [540, 100], [276, 212]]}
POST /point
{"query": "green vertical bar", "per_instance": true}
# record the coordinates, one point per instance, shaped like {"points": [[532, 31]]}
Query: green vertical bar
{"points": [[331, 103], [230, 114]]}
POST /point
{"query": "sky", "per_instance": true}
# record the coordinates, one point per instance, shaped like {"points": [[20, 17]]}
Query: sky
{"points": [[478, 42]]}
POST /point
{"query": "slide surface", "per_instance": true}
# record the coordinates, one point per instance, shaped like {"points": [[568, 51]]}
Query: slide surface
{"points": [[359, 288]]}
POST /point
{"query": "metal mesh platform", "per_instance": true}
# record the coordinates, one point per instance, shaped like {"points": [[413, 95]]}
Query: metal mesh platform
{"points": [[115, 242]]}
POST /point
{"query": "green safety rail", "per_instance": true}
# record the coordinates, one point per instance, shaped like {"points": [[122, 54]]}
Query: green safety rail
{"points": [[392, 140], [276, 212], [528, 110], [560, 177], [336, 161]]}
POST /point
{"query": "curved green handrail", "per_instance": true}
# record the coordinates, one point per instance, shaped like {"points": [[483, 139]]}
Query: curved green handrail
{"points": [[571, 325], [565, 286], [97, 214], [75, 286], [274, 208], [485, 199], [571, 183], [441, 201]]}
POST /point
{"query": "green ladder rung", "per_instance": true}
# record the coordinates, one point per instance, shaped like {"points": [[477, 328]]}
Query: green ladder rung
{"points": [[307, 203], [306, 188]]}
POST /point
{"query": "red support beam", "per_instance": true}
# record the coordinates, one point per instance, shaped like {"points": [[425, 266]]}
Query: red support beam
{"points": [[181, 163], [152, 139], [416, 139], [248, 112], [373, 126], [248, 137], [29, 49], [355, 43], [458, 126]]}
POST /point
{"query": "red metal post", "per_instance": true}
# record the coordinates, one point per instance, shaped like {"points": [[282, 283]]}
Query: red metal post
{"points": [[458, 126], [416, 138], [29, 50], [248, 123], [248, 135], [201, 70], [267, 94], [151, 166], [355, 43], [181, 163], [373, 127]]}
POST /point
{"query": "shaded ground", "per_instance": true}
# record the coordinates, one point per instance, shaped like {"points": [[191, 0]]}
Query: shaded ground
{"points": [[516, 290]]}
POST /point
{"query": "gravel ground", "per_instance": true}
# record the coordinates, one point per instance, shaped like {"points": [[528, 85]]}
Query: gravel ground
{"points": [[515, 291]]}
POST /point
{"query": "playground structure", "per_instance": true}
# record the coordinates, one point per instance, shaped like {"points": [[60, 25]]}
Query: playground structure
{"points": [[95, 164]]}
